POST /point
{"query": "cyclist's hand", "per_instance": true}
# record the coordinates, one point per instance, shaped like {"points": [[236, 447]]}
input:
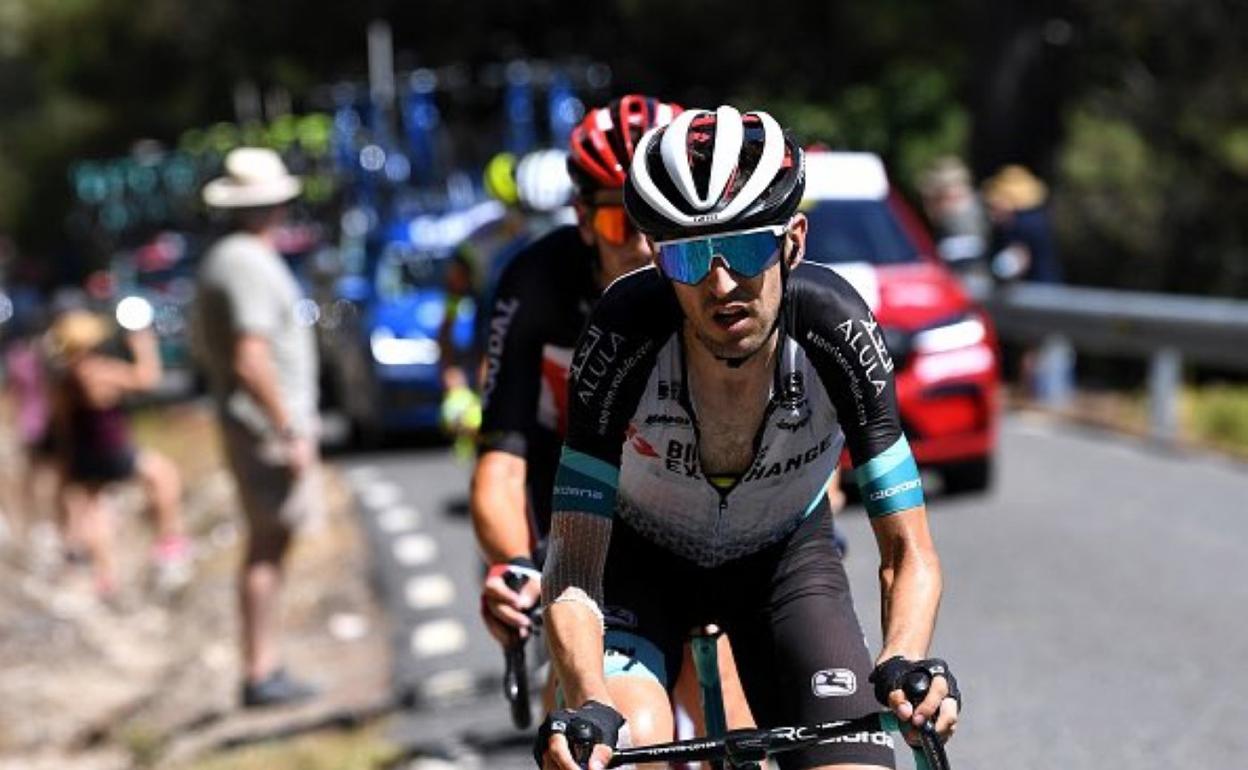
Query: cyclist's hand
{"points": [[505, 610], [589, 733], [942, 701]]}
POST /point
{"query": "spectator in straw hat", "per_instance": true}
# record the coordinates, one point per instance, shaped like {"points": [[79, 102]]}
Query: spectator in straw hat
{"points": [[955, 212], [93, 435], [1023, 247], [260, 357]]}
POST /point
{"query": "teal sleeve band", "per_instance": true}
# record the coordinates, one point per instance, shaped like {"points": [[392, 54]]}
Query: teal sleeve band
{"points": [[890, 481], [585, 483]]}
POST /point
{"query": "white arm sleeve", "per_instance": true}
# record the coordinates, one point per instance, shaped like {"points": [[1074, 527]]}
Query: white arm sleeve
{"points": [[577, 555]]}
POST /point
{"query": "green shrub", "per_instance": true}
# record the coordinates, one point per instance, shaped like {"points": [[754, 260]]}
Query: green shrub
{"points": [[1220, 415]]}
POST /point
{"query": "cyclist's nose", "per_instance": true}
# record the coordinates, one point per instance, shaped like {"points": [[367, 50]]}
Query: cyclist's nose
{"points": [[720, 281]]}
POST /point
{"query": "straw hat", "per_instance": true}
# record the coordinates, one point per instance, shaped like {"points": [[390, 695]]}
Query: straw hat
{"points": [[77, 331], [254, 177], [1015, 188]]}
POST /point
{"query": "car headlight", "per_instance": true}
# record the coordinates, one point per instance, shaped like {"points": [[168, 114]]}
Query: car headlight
{"points": [[962, 333], [390, 350]]}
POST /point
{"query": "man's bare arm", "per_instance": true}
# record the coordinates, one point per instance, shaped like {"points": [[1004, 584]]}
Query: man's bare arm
{"points": [[910, 582], [572, 596], [253, 366], [498, 504]]}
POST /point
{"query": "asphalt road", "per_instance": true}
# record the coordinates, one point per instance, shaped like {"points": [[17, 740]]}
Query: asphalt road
{"points": [[1094, 605]]}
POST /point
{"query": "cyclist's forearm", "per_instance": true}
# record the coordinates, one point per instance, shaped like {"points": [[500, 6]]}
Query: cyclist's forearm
{"points": [[910, 589], [497, 502], [910, 596], [576, 650]]}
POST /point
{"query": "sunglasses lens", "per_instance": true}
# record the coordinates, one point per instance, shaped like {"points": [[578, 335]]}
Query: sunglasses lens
{"points": [[611, 222], [746, 254], [686, 261]]}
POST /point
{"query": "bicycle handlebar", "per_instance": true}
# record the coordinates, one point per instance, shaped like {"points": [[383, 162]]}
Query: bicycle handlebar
{"points": [[740, 747]]}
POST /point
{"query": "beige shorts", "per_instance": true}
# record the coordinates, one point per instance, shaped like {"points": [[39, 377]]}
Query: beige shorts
{"points": [[273, 498]]}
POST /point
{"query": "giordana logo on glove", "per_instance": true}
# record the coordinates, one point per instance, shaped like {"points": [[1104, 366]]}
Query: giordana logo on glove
{"points": [[586, 727], [892, 673]]}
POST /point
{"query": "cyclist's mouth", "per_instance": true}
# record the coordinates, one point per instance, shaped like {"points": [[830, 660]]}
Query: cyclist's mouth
{"points": [[731, 318]]}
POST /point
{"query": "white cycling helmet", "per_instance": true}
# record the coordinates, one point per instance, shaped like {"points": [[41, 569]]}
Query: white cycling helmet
{"points": [[542, 181], [711, 172]]}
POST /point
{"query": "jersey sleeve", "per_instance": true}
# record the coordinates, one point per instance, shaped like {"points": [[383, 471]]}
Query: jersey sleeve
{"points": [[845, 343], [610, 367], [511, 385]]}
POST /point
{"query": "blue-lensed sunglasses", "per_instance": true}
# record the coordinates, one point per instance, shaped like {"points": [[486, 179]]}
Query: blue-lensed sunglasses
{"points": [[746, 253]]}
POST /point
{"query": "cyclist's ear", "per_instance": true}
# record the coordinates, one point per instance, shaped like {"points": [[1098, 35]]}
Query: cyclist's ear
{"points": [[796, 236], [585, 222]]}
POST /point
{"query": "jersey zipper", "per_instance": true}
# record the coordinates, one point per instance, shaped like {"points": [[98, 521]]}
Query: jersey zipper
{"points": [[686, 403]]}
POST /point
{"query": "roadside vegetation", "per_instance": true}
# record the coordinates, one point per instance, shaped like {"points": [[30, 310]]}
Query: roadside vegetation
{"points": [[365, 749], [1218, 415]]}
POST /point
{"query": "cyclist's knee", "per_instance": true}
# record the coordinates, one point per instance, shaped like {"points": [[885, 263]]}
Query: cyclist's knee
{"points": [[644, 703]]}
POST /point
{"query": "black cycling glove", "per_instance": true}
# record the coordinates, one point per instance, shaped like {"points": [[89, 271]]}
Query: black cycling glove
{"points": [[891, 675], [597, 722]]}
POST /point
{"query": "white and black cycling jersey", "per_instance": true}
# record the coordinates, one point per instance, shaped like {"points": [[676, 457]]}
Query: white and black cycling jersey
{"points": [[632, 447]]}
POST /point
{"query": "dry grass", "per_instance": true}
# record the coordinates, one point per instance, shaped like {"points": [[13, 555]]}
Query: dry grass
{"points": [[364, 749]]}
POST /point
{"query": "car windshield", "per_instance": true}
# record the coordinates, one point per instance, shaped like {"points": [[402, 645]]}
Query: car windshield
{"points": [[402, 269], [857, 231]]}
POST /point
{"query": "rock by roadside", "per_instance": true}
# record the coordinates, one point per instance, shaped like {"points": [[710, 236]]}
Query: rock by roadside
{"points": [[152, 681]]}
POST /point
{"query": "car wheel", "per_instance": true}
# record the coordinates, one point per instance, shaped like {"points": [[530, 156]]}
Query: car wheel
{"points": [[966, 477]]}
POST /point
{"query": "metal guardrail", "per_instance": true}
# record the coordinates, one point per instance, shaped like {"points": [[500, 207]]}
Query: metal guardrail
{"points": [[1170, 330]]}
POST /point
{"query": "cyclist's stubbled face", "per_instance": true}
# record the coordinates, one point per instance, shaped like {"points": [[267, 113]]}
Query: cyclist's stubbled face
{"points": [[731, 315], [614, 259]]}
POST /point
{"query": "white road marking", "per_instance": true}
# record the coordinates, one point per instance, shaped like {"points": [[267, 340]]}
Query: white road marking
{"points": [[415, 549], [425, 592], [445, 684], [348, 626], [381, 494], [438, 637], [398, 519], [363, 474]]}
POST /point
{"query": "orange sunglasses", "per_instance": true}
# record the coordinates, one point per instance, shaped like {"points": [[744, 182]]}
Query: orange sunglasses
{"points": [[611, 223]]}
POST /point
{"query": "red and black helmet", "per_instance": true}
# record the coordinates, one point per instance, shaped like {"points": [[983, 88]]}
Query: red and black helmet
{"points": [[602, 145]]}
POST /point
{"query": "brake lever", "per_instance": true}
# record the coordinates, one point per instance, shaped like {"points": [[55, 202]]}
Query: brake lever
{"points": [[916, 686], [515, 674]]}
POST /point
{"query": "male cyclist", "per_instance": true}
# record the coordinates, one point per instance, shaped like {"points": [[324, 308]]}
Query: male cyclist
{"points": [[710, 397], [541, 303], [543, 299]]}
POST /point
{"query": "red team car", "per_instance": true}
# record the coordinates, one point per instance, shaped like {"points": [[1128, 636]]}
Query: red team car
{"points": [[943, 346]]}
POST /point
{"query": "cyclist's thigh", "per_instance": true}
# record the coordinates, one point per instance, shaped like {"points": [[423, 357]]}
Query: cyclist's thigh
{"points": [[800, 649]]}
